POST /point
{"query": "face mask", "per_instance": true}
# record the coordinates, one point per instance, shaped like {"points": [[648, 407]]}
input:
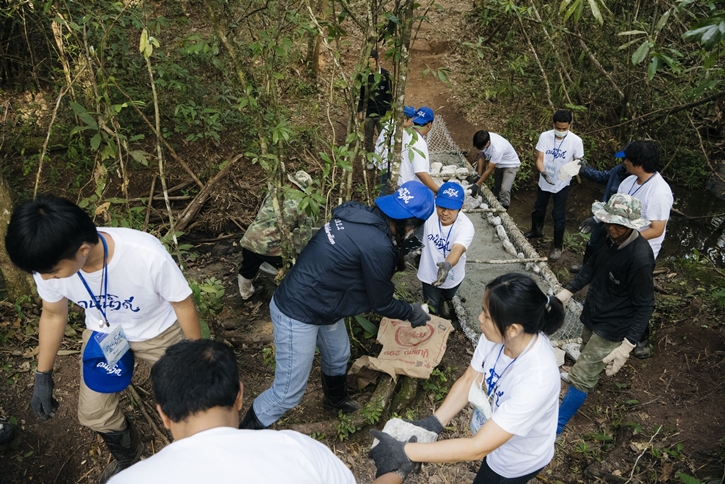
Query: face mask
{"points": [[561, 134]]}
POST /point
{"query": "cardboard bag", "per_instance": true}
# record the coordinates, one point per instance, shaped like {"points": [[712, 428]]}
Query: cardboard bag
{"points": [[406, 351]]}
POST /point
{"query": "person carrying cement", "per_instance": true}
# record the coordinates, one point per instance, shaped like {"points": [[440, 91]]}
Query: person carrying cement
{"points": [[513, 385], [503, 162], [555, 148], [345, 270], [446, 237], [262, 242], [619, 303]]}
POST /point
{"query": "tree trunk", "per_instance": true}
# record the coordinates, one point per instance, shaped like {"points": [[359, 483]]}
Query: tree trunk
{"points": [[17, 282]]}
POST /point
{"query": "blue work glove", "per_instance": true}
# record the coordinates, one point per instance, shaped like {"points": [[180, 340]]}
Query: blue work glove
{"points": [[389, 455], [42, 402], [419, 316], [430, 423], [588, 225], [443, 269]]}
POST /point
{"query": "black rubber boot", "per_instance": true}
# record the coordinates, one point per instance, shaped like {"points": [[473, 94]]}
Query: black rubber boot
{"points": [[587, 254], [336, 397], [250, 421], [537, 227], [126, 448]]}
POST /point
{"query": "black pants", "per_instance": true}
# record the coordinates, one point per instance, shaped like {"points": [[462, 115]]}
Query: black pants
{"points": [[252, 261], [558, 213], [487, 476]]}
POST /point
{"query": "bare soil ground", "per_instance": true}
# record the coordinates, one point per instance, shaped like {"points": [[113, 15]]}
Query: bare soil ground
{"points": [[653, 420]]}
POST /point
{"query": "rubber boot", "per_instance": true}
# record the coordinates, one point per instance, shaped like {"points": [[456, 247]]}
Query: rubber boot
{"points": [[557, 247], [250, 421], [246, 289], [587, 254], [7, 431], [336, 397], [537, 226], [572, 402], [126, 448]]}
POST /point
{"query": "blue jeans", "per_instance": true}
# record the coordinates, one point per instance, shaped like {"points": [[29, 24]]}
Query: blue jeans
{"points": [[295, 344], [432, 295]]}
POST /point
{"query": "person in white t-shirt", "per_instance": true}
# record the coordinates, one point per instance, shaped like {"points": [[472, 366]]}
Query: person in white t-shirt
{"points": [[555, 148], [198, 397], [384, 146], [513, 384], [124, 280], [645, 183], [414, 159], [502, 161], [446, 237]]}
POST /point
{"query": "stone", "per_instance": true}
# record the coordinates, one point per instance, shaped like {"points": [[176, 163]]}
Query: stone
{"points": [[559, 354], [435, 167], [572, 349]]}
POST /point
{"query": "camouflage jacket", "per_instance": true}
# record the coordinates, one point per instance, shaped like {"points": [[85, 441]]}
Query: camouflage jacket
{"points": [[263, 235]]}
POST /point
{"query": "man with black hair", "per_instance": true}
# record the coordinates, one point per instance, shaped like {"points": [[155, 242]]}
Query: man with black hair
{"points": [[502, 161], [555, 148], [130, 288], [645, 183], [198, 397], [378, 92]]}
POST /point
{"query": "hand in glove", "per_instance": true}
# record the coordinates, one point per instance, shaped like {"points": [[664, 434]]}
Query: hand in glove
{"points": [[430, 423], [443, 269], [564, 295], [588, 225], [547, 177], [419, 316], [472, 179], [475, 190], [42, 402], [582, 163], [618, 357], [389, 455]]}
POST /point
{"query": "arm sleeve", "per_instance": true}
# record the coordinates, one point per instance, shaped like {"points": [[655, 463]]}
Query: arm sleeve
{"points": [[168, 280], [579, 150], [541, 144], [322, 460], [598, 176], [46, 292], [378, 267], [642, 295], [585, 274]]}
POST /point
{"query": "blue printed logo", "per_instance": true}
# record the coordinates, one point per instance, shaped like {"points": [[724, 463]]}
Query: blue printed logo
{"points": [[440, 243], [111, 302], [556, 153]]}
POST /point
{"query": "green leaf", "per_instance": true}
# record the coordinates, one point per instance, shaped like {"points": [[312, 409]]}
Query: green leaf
{"points": [[96, 141], [652, 68], [366, 325], [687, 479], [662, 21], [139, 156], [563, 5], [595, 11], [641, 52], [143, 41], [82, 113]]}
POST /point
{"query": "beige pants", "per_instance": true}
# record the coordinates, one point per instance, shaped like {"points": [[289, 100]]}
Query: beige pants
{"points": [[101, 411]]}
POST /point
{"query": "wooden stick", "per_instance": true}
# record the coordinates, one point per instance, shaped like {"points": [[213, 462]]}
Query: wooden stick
{"points": [[508, 261], [146, 415], [148, 205]]}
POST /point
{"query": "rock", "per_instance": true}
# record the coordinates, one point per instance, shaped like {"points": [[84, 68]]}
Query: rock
{"points": [[572, 349], [502, 233], [435, 167], [438, 180], [448, 170], [559, 354], [470, 203], [462, 172], [497, 220], [509, 247], [402, 430]]}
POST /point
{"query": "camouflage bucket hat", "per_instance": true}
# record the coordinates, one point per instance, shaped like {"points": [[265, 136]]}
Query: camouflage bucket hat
{"points": [[302, 179], [621, 209]]}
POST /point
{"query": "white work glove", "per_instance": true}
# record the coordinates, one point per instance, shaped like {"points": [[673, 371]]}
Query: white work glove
{"points": [[564, 295], [618, 357]]}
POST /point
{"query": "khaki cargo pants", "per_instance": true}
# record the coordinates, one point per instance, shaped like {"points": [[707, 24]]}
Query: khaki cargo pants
{"points": [[101, 411], [584, 375]]}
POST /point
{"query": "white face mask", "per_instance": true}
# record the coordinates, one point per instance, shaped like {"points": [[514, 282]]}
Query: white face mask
{"points": [[561, 134], [481, 404]]}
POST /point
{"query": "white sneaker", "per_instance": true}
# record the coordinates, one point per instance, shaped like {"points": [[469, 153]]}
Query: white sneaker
{"points": [[246, 289], [564, 376], [370, 166]]}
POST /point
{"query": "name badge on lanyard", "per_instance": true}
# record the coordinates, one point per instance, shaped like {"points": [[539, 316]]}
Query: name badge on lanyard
{"points": [[114, 345]]}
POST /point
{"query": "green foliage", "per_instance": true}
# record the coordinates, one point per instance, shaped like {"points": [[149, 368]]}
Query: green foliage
{"points": [[269, 357], [439, 382], [345, 426], [372, 411], [687, 479], [209, 300]]}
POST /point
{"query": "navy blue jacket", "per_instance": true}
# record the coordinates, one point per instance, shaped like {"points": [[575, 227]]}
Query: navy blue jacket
{"points": [[346, 269], [621, 296], [611, 178]]}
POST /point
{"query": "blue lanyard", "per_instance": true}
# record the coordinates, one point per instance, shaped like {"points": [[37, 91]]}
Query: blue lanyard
{"points": [[556, 150], [440, 228], [489, 381], [104, 283], [629, 192]]}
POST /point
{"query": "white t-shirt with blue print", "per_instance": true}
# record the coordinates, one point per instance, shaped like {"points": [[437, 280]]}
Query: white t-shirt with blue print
{"points": [[525, 403], [438, 242], [558, 152], [143, 280]]}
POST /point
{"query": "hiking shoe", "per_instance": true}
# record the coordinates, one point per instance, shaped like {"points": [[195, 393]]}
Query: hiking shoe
{"points": [[532, 234], [576, 268], [564, 376], [642, 350], [555, 254]]}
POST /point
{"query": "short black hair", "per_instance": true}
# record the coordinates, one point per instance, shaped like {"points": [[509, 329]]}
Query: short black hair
{"points": [[47, 230], [516, 298], [645, 154], [480, 139], [194, 376], [562, 116], [374, 54]]}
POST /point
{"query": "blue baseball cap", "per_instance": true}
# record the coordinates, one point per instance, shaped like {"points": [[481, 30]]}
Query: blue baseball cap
{"points": [[423, 116], [412, 199], [409, 111], [101, 378], [622, 154], [450, 196]]}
